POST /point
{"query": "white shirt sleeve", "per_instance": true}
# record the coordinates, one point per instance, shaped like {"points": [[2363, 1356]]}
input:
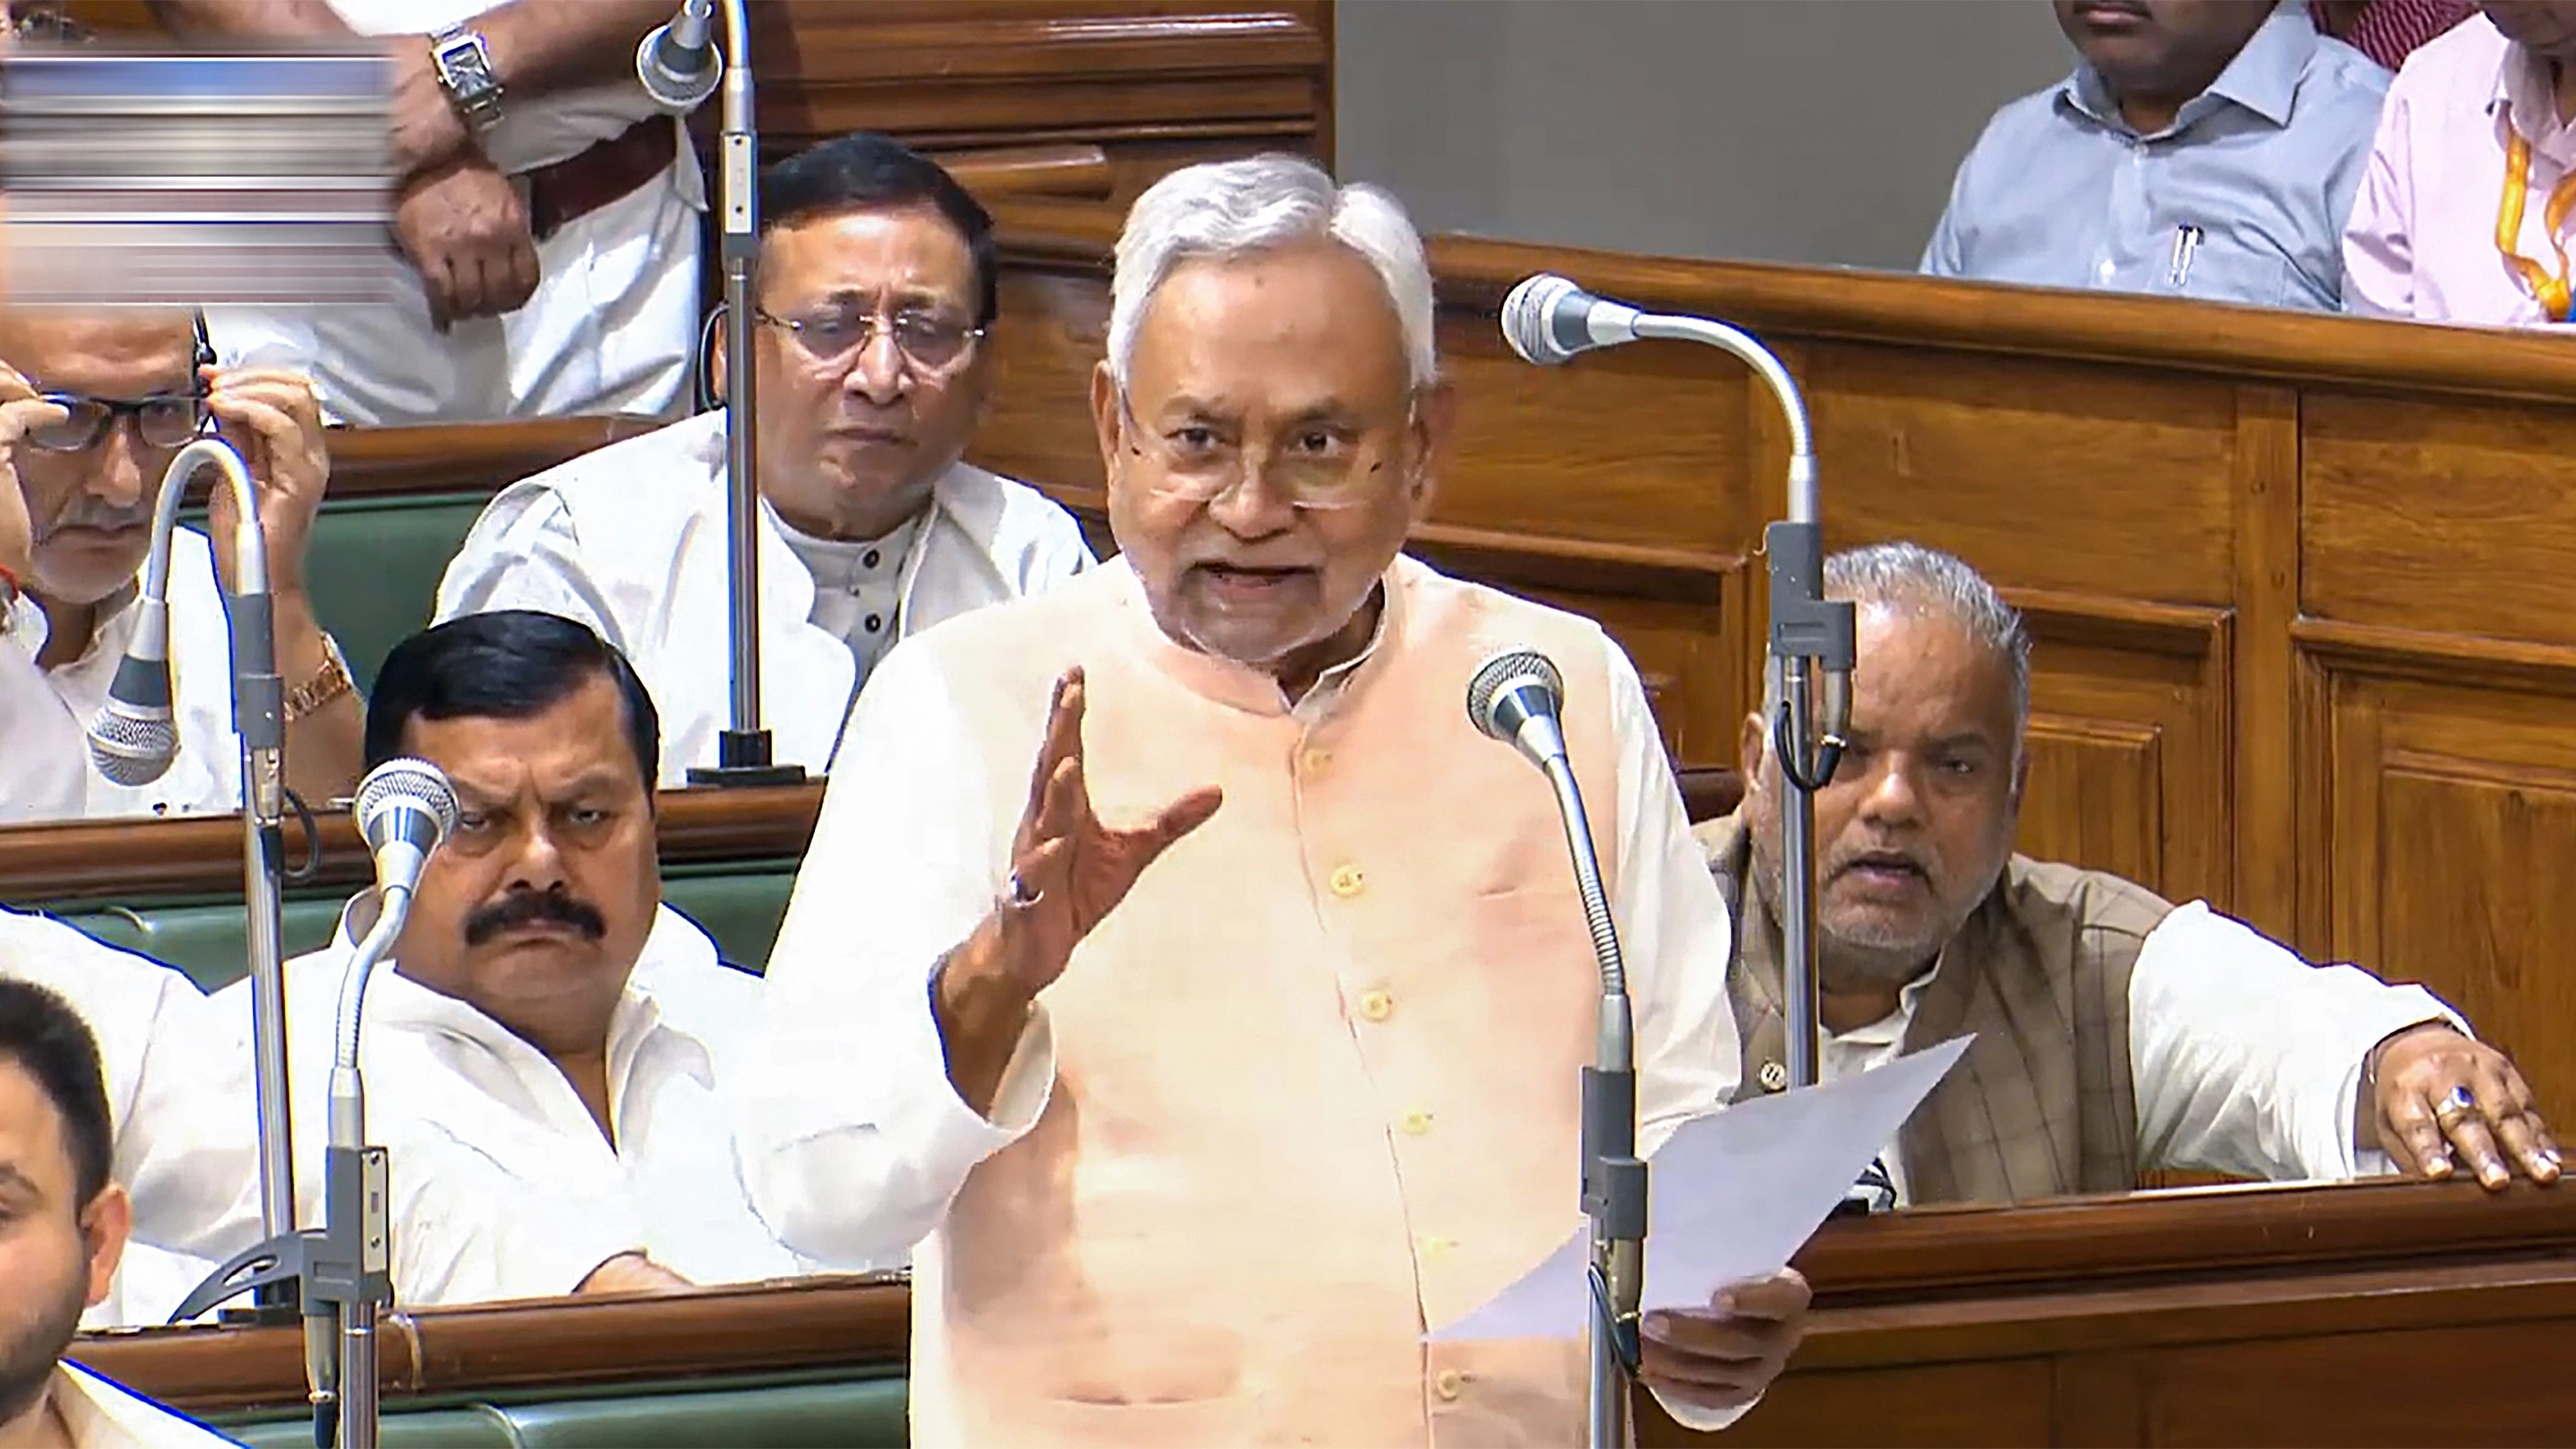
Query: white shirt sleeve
{"points": [[2248, 1060], [853, 1138], [187, 1151], [523, 554], [1676, 938]]}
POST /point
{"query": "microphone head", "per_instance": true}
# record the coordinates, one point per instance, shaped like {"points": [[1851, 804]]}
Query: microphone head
{"points": [[680, 70], [1531, 312], [1511, 690], [133, 744], [405, 801]]}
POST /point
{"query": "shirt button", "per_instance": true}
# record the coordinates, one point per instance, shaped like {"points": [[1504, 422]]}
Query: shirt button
{"points": [[1448, 1383], [874, 622], [1347, 881], [869, 559], [1436, 1247], [1416, 1122], [2104, 271], [1316, 760], [1376, 1005]]}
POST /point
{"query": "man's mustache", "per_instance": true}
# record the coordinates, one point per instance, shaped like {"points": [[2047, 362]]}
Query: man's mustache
{"points": [[531, 908], [88, 512]]}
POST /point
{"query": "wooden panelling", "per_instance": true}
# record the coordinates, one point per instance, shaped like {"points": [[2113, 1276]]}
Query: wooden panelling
{"points": [[2090, 479], [2128, 740], [2420, 510], [2454, 809], [1152, 82]]}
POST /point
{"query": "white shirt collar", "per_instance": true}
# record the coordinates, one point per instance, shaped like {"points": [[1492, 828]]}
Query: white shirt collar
{"points": [[103, 1415]]}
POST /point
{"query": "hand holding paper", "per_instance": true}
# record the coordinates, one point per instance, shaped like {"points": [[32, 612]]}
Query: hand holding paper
{"points": [[1732, 1196]]}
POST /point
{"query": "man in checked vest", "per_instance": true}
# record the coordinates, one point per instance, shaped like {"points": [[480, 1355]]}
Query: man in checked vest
{"points": [[2115, 1033]]}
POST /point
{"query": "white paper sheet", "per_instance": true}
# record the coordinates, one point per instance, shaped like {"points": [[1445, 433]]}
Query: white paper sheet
{"points": [[1730, 1197]]}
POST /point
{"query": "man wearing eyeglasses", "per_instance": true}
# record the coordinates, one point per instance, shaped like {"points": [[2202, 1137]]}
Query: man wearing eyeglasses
{"points": [[1177, 957], [877, 284], [92, 409]]}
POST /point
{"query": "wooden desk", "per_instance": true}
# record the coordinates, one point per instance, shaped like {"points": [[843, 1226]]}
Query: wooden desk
{"points": [[2385, 1313]]}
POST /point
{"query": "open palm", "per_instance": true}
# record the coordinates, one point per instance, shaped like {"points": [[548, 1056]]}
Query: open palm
{"points": [[1071, 869]]}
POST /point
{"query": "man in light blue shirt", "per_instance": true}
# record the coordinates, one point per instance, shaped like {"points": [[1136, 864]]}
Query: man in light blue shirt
{"points": [[2204, 148]]}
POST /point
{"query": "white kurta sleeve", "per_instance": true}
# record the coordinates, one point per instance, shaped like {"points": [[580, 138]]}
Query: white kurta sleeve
{"points": [[523, 553], [187, 1151], [853, 1138], [2248, 1060], [1675, 936]]}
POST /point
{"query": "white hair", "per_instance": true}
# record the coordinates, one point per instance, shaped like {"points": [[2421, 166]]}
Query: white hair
{"points": [[1228, 209], [1910, 575]]}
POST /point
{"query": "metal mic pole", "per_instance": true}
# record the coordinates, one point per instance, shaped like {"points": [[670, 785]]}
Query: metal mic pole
{"points": [[1808, 635], [742, 752], [352, 1265], [1614, 1177]]}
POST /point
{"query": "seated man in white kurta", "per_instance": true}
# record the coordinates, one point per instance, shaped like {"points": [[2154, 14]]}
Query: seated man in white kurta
{"points": [[179, 1099], [877, 284], [542, 1011], [63, 1222], [92, 409], [1209, 1113]]}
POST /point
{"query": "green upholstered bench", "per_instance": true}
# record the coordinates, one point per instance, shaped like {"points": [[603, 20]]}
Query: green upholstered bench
{"points": [[374, 565], [863, 1411], [739, 903]]}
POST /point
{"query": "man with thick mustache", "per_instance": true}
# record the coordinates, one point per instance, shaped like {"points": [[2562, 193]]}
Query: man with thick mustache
{"points": [[876, 289], [2203, 148], [92, 408], [2115, 1033], [542, 1010]]}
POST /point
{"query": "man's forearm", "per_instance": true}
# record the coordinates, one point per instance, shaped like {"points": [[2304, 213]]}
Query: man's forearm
{"points": [[548, 45], [324, 749]]}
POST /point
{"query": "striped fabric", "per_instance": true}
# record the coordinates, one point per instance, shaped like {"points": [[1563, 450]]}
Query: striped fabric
{"points": [[2389, 30]]}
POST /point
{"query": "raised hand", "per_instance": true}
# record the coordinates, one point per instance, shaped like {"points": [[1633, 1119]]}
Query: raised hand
{"points": [[271, 415], [1069, 870], [20, 410]]}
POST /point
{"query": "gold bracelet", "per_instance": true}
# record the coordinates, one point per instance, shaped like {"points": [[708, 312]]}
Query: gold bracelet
{"points": [[328, 683]]}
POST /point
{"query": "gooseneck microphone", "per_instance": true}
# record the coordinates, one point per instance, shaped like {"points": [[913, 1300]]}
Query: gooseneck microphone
{"points": [[1548, 320], [404, 809], [1518, 697]]}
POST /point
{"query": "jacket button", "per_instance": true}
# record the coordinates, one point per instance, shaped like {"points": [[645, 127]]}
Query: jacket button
{"points": [[1774, 1077]]}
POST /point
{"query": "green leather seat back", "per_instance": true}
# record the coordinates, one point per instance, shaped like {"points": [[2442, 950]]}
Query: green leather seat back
{"points": [[739, 903], [854, 1413]]}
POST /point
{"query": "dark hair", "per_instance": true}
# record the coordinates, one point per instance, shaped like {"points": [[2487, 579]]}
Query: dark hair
{"points": [[47, 22], [51, 1043], [866, 171], [507, 664]]}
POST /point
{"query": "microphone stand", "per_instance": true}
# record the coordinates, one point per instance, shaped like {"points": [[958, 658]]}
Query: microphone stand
{"points": [[1808, 636], [742, 752], [1614, 1177], [350, 1263], [272, 1270]]}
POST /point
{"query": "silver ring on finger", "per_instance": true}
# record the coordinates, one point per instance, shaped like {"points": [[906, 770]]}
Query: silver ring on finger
{"points": [[1021, 897], [2455, 1108]]}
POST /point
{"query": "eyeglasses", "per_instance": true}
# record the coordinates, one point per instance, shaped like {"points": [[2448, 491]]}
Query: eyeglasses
{"points": [[1320, 465], [164, 420], [833, 336]]}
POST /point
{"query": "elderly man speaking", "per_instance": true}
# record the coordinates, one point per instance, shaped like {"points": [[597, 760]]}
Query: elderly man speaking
{"points": [[1239, 1040]]}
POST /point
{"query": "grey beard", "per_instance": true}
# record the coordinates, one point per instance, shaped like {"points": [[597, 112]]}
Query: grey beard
{"points": [[1842, 963]]}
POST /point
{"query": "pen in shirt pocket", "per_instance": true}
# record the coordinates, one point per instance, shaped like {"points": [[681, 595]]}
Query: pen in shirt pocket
{"points": [[2186, 245]]}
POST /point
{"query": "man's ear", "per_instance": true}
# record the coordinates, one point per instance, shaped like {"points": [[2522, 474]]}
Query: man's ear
{"points": [[2021, 773], [717, 358], [105, 1225], [1435, 431], [1104, 417], [1751, 746]]}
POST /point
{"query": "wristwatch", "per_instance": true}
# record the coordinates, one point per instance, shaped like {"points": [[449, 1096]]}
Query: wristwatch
{"points": [[464, 64]]}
